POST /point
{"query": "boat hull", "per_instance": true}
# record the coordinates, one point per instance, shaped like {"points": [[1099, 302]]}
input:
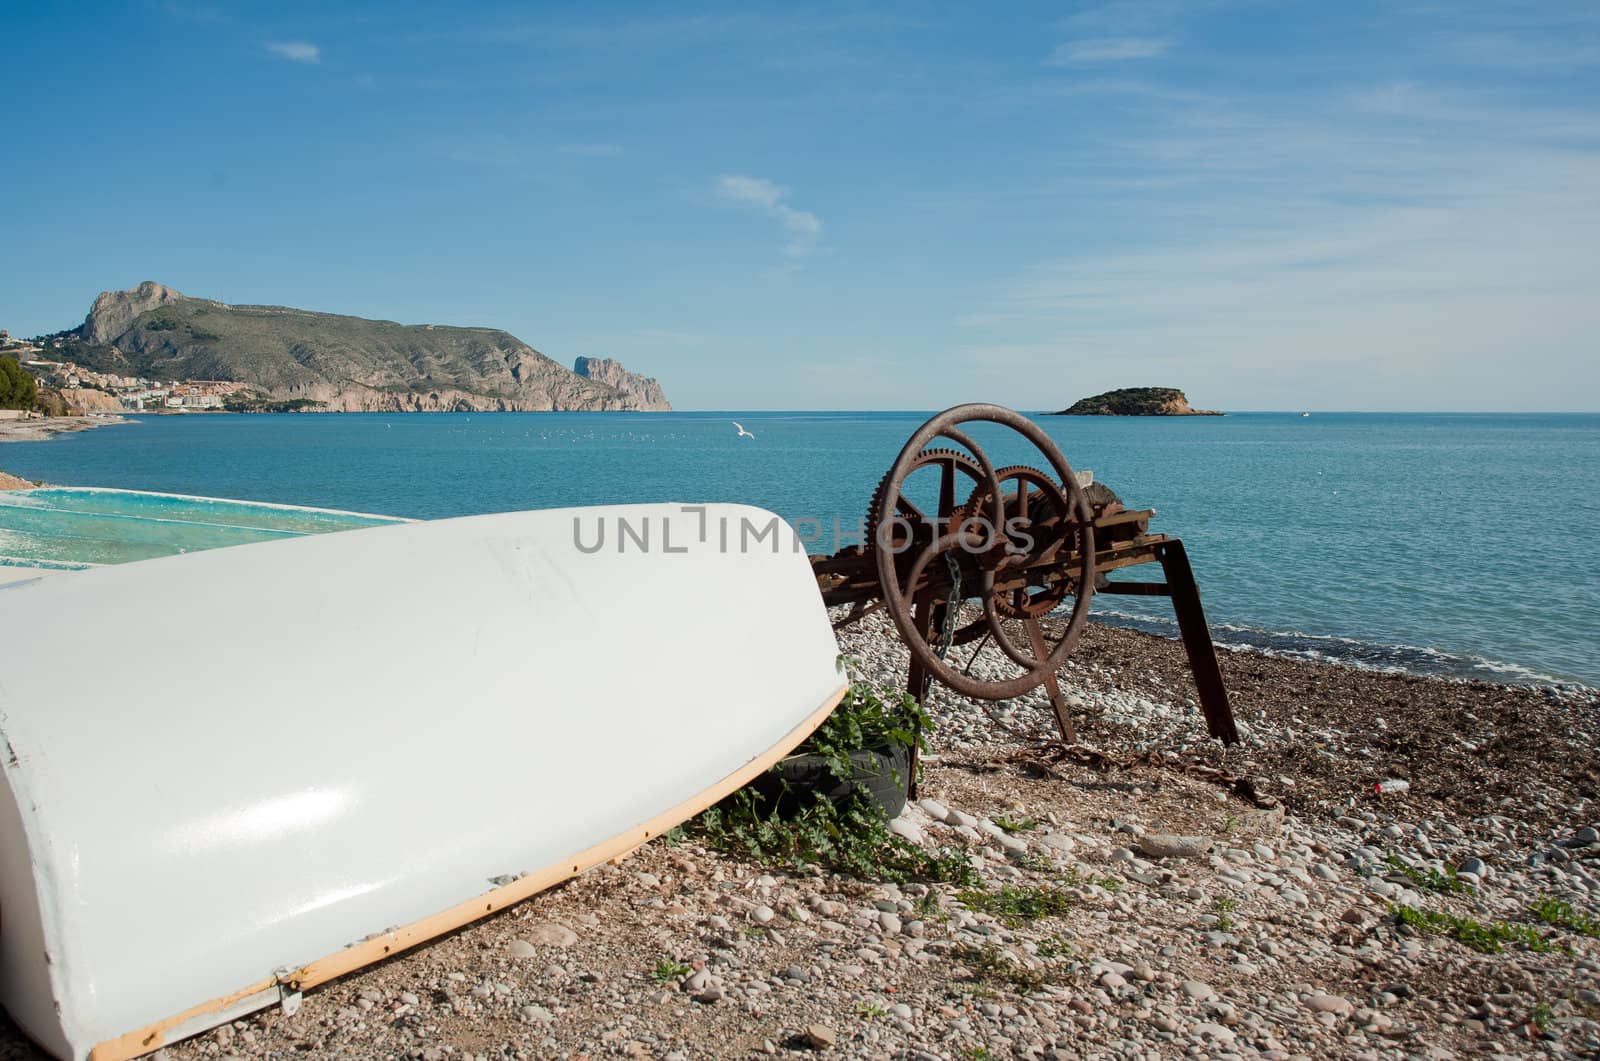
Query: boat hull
{"points": [[232, 773]]}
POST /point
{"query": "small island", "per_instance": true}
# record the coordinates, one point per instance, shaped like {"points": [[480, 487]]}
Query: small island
{"points": [[1136, 401]]}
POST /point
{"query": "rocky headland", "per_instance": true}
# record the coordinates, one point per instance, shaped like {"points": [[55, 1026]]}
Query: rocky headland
{"points": [[1136, 401], [338, 363], [611, 373]]}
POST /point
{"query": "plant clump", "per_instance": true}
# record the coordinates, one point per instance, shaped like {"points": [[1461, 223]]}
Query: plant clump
{"points": [[850, 836], [1016, 905], [1488, 937]]}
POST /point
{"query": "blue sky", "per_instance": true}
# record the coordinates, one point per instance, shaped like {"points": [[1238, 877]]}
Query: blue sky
{"points": [[1271, 205]]}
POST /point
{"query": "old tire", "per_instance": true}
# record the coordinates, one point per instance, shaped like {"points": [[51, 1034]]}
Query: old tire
{"points": [[881, 776]]}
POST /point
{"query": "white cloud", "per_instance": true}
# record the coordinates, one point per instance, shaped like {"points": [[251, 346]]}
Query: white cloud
{"points": [[803, 227], [1504, 51], [1400, 247], [295, 51], [756, 190], [1087, 50]]}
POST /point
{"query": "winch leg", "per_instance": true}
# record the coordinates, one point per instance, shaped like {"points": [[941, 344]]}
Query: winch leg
{"points": [[1058, 704], [928, 617], [1197, 640]]}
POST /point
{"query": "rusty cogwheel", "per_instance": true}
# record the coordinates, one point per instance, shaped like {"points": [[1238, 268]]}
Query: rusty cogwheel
{"points": [[904, 508], [1047, 506]]}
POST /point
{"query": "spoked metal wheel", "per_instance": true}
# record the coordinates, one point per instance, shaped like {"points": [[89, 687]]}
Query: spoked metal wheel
{"points": [[1017, 545]]}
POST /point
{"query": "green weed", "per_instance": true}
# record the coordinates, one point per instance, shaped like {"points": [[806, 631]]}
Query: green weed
{"points": [[1038, 863], [1427, 880], [1016, 905], [1487, 938], [850, 838], [991, 964], [1073, 879], [667, 969], [1562, 915], [869, 716], [1015, 825]]}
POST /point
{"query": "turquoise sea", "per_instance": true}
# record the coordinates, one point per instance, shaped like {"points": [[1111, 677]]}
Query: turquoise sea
{"points": [[1456, 544]]}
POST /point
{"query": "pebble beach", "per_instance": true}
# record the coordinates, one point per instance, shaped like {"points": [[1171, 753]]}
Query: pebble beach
{"points": [[1188, 914], [40, 429]]}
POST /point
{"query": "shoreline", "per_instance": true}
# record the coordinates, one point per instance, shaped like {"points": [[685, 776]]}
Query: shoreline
{"points": [[44, 428], [1485, 670], [1499, 673]]}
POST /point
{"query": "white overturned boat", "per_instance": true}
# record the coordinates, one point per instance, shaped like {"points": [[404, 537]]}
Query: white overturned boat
{"points": [[232, 775]]}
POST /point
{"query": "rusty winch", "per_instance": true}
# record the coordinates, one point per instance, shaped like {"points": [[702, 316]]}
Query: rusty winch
{"points": [[1010, 555]]}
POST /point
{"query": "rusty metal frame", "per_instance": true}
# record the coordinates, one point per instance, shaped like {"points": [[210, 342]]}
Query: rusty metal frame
{"points": [[1086, 544]]}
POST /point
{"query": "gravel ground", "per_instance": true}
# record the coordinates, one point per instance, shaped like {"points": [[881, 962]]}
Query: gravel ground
{"points": [[1187, 920]]}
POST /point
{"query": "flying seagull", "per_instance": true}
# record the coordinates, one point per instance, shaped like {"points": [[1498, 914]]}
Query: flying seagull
{"points": [[742, 432]]}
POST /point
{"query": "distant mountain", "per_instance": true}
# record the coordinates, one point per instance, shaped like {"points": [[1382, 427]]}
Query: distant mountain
{"points": [[1136, 401], [345, 363]]}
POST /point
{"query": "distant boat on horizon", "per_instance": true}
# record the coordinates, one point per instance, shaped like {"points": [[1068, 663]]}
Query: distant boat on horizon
{"points": [[1305, 414]]}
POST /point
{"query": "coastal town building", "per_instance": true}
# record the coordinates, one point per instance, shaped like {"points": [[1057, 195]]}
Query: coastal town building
{"points": [[134, 393]]}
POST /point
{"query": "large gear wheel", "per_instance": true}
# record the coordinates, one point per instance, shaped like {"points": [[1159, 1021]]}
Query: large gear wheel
{"points": [[1037, 507], [985, 551], [949, 462]]}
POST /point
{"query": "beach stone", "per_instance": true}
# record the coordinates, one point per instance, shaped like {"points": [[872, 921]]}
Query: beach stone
{"points": [[1475, 866], [550, 934], [521, 948], [820, 1036], [762, 914], [1060, 842], [536, 1015], [934, 809], [1011, 845], [1169, 845], [1587, 835], [909, 830], [1198, 990], [1322, 1003]]}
